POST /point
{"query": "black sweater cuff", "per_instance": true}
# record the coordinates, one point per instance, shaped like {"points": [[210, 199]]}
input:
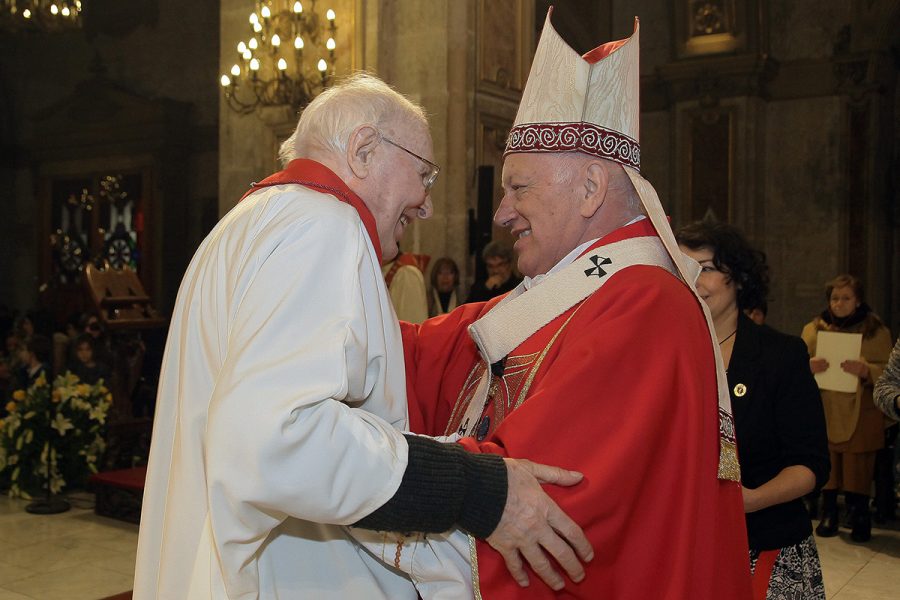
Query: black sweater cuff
{"points": [[444, 487]]}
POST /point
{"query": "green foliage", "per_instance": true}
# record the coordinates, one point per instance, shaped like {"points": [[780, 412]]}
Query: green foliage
{"points": [[77, 414]]}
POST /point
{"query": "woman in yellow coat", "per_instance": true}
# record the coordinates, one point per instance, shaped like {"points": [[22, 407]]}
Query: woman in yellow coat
{"points": [[855, 425]]}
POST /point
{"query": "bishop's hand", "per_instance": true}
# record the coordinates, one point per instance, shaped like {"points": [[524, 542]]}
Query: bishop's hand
{"points": [[533, 525]]}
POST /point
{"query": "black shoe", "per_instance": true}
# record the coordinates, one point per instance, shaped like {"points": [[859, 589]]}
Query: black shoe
{"points": [[861, 535], [861, 519], [828, 526]]}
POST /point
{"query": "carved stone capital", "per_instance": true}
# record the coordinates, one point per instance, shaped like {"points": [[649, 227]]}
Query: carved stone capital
{"points": [[708, 80]]}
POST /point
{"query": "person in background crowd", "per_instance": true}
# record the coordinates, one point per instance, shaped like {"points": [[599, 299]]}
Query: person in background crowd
{"points": [[498, 258], [24, 328], [62, 342], [759, 312], [855, 425], [887, 398], [10, 363], [34, 356], [91, 325], [778, 417], [887, 387], [406, 284], [84, 364], [444, 286], [7, 321]]}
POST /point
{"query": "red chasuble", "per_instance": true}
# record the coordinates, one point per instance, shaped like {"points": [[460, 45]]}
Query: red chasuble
{"points": [[621, 387]]}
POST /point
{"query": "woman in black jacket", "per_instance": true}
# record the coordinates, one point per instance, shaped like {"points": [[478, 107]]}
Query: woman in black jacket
{"points": [[779, 421]]}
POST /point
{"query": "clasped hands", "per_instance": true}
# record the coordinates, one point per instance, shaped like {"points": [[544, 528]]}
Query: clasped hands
{"points": [[494, 281], [854, 367], [533, 525]]}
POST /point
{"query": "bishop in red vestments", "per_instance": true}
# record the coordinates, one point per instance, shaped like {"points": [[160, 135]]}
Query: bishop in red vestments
{"points": [[601, 361]]}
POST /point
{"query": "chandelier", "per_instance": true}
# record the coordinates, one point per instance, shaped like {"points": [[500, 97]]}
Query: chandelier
{"points": [[39, 15], [282, 62]]}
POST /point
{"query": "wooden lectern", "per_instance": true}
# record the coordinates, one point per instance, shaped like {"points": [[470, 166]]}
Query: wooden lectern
{"points": [[120, 299]]}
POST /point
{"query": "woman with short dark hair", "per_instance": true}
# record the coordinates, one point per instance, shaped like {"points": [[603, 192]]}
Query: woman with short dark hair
{"points": [[778, 418]]}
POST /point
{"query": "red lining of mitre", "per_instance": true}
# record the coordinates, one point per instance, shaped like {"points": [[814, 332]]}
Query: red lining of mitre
{"points": [[604, 50]]}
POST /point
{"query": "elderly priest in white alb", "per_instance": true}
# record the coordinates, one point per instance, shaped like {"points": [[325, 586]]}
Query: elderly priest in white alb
{"points": [[281, 398]]}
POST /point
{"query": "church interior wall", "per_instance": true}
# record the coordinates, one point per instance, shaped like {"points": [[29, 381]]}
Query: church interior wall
{"points": [[804, 191], [153, 49], [789, 103]]}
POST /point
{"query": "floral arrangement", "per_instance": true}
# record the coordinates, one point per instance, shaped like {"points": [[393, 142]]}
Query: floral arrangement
{"points": [[74, 439]]}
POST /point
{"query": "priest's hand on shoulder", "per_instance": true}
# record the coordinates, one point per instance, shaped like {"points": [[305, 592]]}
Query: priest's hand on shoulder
{"points": [[532, 525]]}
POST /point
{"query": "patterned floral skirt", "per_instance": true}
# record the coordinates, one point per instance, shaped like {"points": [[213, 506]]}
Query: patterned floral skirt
{"points": [[791, 573]]}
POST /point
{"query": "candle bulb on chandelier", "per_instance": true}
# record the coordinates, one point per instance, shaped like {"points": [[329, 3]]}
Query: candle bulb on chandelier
{"points": [[272, 83], [225, 81], [54, 9]]}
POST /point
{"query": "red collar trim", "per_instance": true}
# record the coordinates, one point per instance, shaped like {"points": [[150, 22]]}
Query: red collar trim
{"points": [[642, 228], [316, 176]]}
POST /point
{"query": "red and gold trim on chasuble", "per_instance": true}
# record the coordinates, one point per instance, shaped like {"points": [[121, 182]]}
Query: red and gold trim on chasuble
{"points": [[506, 393]]}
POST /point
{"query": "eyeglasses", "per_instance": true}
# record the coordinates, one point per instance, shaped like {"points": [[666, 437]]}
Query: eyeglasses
{"points": [[428, 178]]}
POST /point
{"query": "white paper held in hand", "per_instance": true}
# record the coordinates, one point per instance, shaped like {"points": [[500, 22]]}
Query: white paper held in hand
{"points": [[836, 347]]}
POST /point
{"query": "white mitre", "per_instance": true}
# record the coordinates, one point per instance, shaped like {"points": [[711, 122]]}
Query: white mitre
{"points": [[591, 104], [587, 103]]}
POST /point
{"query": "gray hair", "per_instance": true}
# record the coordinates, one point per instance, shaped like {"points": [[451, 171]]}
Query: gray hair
{"points": [[496, 249], [327, 122], [619, 183]]}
